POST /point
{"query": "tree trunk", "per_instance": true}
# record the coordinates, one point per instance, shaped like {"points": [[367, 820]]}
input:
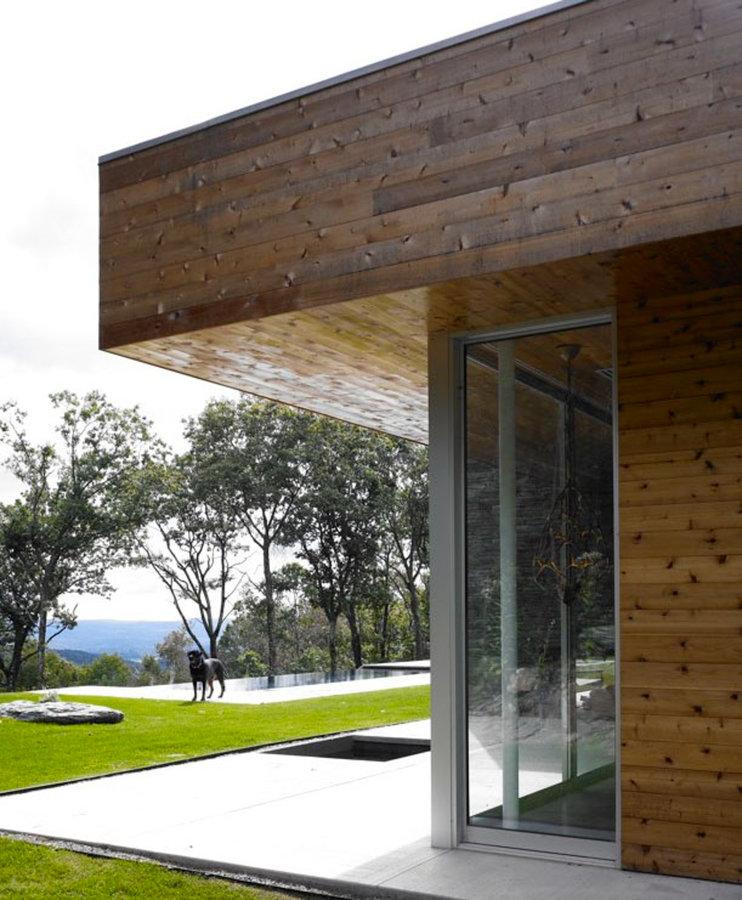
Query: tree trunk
{"points": [[270, 611], [16, 661], [41, 660], [355, 638], [416, 625], [332, 643], [384, 635]]}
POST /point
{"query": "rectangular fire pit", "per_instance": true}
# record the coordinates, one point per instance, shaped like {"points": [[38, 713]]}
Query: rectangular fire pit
{"points": [[354, 746]]}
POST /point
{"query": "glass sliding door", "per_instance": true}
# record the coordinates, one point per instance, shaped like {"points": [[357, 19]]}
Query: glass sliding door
{"points": [[539, 590]]}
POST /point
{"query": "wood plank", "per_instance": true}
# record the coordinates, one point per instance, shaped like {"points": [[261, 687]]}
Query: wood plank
{"points": [[335, 137], [499, 52], [647, 309], [669, 755], [670, 570], [274, 246], [685, 622], [689, 863], [680, 490], [696, 730], [696, 810], [353, 167], [693, 382], [682, 410], [291, 213], [689, 436], [682, 676], [691, 542], [433, 242], [192, 280], [637, 134], [678, 332], [327, 250], [694, 595], [720, 352], [681, 782], [681, 703], [680, 221], [681, 463], [674, 517], [381, 160], [703, 838], [685, 647]]}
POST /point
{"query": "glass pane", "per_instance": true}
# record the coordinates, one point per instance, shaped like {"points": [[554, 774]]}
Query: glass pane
{"points": [[539, 584]]}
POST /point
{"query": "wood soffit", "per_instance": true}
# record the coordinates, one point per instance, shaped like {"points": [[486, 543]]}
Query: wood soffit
{"points": [[365, 361]]}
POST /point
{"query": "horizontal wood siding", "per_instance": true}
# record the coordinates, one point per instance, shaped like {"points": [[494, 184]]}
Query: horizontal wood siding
{"points": [[680, 464], [594, 128]]}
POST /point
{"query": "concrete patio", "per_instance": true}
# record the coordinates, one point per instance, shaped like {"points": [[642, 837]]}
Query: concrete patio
{"points": [[338, 827]]}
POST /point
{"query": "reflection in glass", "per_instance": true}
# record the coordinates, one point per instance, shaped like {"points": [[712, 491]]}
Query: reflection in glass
{"points": [[539, 584]]}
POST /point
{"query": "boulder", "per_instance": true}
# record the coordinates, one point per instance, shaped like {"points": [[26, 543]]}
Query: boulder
{"points": [[60, 712]]}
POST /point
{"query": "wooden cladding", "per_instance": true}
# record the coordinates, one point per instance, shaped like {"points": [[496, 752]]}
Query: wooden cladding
{"points": [[591, 157], [597, 127], [680, 490]]}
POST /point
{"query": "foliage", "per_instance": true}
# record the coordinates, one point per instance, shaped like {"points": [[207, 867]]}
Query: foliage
{"points": [[337, 524], [160, 731], [253, 451], [299, 631], [349, 505], [31, 870], [150, 672], [107, 669], [59, 672], [200, 548], [80, 504], [406, 531], [172, 651]]}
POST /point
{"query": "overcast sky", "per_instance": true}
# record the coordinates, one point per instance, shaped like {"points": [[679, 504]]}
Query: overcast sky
{"points": [[83, 79]]}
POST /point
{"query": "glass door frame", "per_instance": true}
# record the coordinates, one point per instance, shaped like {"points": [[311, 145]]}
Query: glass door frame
{"points": [[450, 827]]}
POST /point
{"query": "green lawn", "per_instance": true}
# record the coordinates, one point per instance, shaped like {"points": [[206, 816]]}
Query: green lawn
{"points": [[31, 870], [160, 731]]}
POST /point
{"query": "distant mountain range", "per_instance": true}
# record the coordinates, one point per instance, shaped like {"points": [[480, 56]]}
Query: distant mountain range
{"points": [[131, 640], [78, 657]]}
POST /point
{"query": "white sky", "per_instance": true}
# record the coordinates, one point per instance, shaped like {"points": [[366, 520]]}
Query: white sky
{"points": [[81, 79]]}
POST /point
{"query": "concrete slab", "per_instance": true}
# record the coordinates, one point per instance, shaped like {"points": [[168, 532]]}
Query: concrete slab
{"points": [[235, 694], [356, 828]]}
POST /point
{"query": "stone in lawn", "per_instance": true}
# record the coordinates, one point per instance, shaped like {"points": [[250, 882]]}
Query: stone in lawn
{"points": [[61, 712]]}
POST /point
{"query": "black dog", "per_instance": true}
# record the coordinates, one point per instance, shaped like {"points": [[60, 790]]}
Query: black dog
{"points": [[203, 672]]}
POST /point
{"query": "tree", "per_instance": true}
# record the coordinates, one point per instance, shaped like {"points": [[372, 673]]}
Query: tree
{"points": [[79, 507], [254, 450], [107, 669], [299, 630], [197, 547], [172, 651], [337, 523], [406, 521], [150, 672]]}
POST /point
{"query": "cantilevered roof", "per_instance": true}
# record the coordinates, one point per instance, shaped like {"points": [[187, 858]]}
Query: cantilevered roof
{"points": [[304, 249]]}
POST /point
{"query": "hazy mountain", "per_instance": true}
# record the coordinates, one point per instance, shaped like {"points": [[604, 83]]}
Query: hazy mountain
{"points": [[132, 640], [78, 657]]}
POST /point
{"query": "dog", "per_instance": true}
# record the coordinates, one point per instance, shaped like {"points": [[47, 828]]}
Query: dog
{"points": [[203, 672]]}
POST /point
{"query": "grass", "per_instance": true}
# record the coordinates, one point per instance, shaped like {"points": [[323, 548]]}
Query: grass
{"points": [[35, 871], [159, 731], [162, 731]]}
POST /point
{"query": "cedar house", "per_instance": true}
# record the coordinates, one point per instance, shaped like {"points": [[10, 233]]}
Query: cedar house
{"points": [[524, 247]]}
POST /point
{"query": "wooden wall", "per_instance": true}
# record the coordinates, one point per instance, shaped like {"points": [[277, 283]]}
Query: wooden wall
{"points": [[577, 135], [600, 126], [680, 495]]}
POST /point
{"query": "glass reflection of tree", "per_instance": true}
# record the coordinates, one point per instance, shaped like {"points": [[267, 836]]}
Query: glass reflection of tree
{"points": [[570, 552]]}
